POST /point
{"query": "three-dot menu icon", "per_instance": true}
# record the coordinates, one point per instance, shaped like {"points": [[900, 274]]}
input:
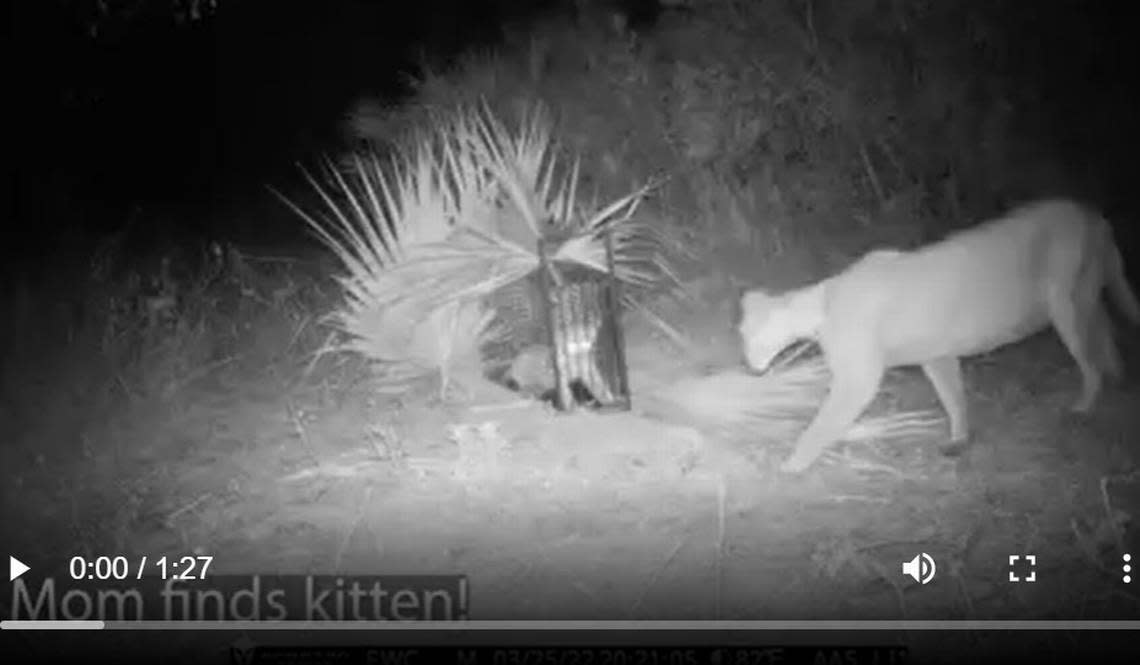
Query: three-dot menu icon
{"points": [[1127, 568]]}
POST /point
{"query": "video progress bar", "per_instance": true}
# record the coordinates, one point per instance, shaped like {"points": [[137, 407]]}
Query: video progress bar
{"points": [[464, 626]]}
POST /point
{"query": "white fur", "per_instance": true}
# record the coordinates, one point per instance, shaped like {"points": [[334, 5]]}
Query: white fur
{"points": [[977, 290]]}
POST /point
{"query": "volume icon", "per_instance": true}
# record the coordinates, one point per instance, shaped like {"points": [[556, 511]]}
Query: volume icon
{"points": [[921, 568]]}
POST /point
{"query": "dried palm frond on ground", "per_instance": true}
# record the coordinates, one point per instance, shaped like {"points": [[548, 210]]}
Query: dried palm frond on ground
{"points": [[776, 405]]}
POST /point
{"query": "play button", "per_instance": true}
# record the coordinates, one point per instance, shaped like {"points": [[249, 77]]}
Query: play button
{"points": [[16, 568]]}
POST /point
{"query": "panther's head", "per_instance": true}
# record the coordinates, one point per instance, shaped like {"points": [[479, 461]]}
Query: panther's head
{"points": [[767, 326]]}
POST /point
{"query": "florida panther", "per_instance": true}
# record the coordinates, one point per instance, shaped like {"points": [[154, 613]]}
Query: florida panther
{"points": [[974, 291]]}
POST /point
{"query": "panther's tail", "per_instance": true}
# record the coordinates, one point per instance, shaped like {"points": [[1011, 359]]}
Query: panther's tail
{"points": [[1118, 287]]}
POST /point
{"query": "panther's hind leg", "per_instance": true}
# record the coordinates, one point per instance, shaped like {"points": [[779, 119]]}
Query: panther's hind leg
{"points": [[1073, 321], [945, 375]]}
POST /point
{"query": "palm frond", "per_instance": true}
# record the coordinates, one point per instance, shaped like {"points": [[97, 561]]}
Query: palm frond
{"points": [[777, 405]]}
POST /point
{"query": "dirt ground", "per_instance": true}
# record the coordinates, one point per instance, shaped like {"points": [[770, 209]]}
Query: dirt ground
{"points": [[640, 515]]}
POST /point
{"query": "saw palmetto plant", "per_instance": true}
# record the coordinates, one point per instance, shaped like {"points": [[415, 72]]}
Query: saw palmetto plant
{"points": [[426, 235]]}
